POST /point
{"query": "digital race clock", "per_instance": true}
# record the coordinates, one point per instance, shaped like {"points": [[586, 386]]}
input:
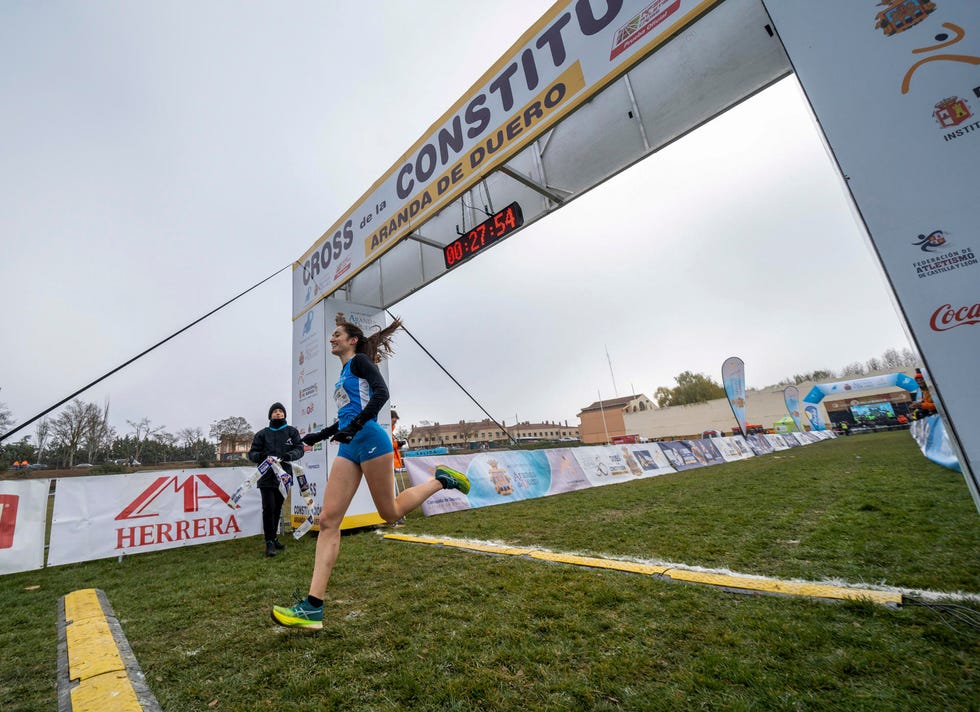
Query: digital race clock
{"points": [[495, 227]]}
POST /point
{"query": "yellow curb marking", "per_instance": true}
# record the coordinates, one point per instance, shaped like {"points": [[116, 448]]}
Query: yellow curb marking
{"points": [[94, 659], [746, 583]]}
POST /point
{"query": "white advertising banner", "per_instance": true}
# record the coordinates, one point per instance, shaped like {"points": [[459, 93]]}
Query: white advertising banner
{"points": [[733, 448], [895, 86], [103, 516], [315, 406], [23, 515], [308, 411], [571, 53]]}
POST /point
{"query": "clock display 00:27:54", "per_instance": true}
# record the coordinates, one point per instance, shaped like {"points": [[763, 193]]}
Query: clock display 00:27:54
{"points": [[498, 225]]}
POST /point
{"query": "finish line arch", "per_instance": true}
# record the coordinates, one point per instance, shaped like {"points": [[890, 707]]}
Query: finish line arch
{"points": [[822, 390], [595, 86]]}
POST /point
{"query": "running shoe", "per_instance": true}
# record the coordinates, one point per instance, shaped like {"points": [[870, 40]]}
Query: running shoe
{"points": [[452, 479], [302, 615]]}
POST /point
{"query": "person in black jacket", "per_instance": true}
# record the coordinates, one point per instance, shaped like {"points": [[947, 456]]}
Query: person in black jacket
{"points": [[282, 441]]}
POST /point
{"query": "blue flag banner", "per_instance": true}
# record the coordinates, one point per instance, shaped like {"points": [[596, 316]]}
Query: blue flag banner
{"points": [[791, 396], [733, 378]]}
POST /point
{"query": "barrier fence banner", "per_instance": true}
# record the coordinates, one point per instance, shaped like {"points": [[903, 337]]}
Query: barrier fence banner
{"points": [[23, 516], [507, 476], [99, 517], [733, 448], [611, 464], [760, 444], [930, 434]]}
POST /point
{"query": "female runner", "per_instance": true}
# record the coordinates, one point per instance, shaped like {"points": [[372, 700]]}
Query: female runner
{"points": [[365, 450]]}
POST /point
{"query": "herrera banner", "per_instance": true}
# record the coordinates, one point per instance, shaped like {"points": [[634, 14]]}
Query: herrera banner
{"points": [[895, 86], [23, 515], [733, 377], [110, 515]]}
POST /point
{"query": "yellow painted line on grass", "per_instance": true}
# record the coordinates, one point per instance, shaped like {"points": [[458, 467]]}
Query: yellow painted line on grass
{"points": [[726, 581], [96, 667]]}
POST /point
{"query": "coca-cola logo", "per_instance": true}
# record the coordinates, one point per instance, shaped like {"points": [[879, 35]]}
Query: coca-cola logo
{"points": [[947, 317]]}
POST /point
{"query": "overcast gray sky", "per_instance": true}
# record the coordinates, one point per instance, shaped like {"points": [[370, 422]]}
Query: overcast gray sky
{"points": [[159, 158]]}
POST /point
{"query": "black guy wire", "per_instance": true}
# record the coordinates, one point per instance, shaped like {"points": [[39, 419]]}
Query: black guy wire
{"points": [[436, 361], [965, 620], [140, 355]]}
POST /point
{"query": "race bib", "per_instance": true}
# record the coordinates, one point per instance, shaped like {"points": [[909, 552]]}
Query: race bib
{"points": [[340, 397]]}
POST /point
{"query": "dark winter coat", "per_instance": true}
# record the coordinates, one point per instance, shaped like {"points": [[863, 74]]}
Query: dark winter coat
{"points": [[284, 443]]}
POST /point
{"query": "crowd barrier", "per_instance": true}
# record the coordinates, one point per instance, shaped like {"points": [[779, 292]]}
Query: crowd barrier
{"points": [[497, 477], [104, 516]]}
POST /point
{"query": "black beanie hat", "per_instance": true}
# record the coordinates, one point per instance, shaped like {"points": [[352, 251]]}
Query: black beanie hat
{"points": [[280, 406]]}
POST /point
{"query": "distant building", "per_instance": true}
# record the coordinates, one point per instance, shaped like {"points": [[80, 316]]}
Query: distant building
{"points": [[604, 420], [475, 435], [765, 406], [233, 448]]}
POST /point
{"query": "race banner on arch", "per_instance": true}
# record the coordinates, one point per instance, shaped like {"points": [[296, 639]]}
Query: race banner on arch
{"points": [[616, 58], [895, 87]]}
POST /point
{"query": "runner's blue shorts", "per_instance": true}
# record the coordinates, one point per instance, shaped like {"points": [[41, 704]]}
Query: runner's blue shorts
{"points": [[370, 442]]}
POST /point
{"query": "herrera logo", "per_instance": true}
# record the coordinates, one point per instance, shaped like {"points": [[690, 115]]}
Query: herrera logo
{"points": [[193, 491], [639, 25], [947, 317]]}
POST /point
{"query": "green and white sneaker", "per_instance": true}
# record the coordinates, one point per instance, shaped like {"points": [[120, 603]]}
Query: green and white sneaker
{"points": [[452, 479], [302, 615]]}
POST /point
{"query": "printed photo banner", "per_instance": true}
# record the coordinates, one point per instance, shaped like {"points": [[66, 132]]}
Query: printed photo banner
{"points": [[512, 475], [733, 378], [23, 516], [508, 476], [733, 448], [104, 516]]}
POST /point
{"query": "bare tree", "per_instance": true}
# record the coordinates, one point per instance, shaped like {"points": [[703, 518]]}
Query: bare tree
{"points": [[98, 433], [188, 436], [233, 430], [909, 359], [142, 431], [852, 369], [41, 432], [68, 429], [891, 359], [6, 418], [874, 364]]}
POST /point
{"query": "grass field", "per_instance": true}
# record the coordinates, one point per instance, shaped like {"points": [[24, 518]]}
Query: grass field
{"points": [[412, 627]]}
